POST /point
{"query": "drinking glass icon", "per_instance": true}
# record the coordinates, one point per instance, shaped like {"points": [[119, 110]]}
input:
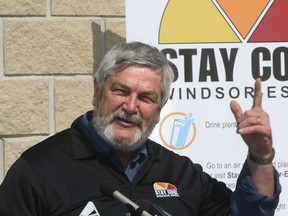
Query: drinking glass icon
{"points": [[180, 131]]}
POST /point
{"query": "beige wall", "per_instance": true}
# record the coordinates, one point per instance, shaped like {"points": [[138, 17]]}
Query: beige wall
{"points": [[48, 51]]}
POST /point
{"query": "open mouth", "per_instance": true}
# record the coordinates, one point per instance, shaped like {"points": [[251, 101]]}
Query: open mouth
{"points": [[127, 122]]}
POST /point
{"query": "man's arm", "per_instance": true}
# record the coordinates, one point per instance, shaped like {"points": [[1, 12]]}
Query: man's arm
{"points": [[263, 177], [246, 200], [254, 127], [20, 192]]}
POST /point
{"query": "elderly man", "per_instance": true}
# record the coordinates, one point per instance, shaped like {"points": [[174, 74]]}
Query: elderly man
{"points": [[60, 175]]}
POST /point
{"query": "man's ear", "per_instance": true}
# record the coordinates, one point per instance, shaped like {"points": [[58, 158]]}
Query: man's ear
{"points": [[96, 88]]}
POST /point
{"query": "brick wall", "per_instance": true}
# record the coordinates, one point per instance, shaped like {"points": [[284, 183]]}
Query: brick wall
{"points": [[48, 51]]}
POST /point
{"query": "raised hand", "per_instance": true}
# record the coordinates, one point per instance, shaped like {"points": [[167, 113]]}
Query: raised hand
{"points": [[254, 124]]}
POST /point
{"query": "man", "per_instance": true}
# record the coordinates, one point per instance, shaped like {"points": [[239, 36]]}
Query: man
{"points": [[60, 175]]}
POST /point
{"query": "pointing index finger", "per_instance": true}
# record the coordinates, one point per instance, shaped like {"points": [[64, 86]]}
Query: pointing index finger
{"points": [[257, 99]]}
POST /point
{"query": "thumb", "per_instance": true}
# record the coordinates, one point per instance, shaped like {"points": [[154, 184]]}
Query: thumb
{"points": [[236, 110]]}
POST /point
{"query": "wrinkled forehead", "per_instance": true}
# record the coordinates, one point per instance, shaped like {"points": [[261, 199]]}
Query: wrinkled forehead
{"points": [[136, 73]]}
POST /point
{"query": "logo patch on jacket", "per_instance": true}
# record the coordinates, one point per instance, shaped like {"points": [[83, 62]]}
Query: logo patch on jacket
{"points": [[163, 189]]}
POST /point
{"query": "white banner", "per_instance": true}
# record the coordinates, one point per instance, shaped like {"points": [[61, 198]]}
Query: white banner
{"points": [[219, 47]]}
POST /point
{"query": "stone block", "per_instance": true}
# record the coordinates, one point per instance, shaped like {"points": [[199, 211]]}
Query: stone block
{"points": [[88, 7], [24, 106], [115, 32], [51, 46], [73, 98], [14, 147], [23, 7]]}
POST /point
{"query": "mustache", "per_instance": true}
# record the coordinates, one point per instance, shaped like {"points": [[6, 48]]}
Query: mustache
{"points": [[123, 115]]}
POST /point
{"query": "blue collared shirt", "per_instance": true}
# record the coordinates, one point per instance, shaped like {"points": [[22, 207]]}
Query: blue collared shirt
{"points": [[246, 200]]}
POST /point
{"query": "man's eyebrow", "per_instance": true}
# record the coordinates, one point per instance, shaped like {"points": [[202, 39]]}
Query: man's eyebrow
{"points": [[120, 84], [149, 92], [126, 87]]}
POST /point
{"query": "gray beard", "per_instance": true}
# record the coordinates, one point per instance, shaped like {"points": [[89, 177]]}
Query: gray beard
{"points": [[105, 130]]}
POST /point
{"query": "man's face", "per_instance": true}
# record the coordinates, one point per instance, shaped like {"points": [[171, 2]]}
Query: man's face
{"points": [[128, 108]]}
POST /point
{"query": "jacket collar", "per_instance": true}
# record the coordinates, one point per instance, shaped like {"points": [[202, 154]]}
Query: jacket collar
{"points": [[84, 146]]}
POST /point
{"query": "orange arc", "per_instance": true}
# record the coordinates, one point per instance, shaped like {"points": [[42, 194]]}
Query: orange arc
{"points": [[167, 144]]}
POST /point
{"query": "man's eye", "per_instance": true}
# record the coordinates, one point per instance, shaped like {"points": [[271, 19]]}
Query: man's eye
{"points": [[120, 91], [147, 99]]}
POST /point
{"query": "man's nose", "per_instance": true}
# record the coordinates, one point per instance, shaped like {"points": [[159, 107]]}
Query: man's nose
{"points": [[131, 104]]}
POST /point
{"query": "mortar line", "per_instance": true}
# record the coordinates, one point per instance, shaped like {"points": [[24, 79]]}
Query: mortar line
{"points": [[52, 117], [1, 49], [103, 37], [2, 167], [48, 8]]}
